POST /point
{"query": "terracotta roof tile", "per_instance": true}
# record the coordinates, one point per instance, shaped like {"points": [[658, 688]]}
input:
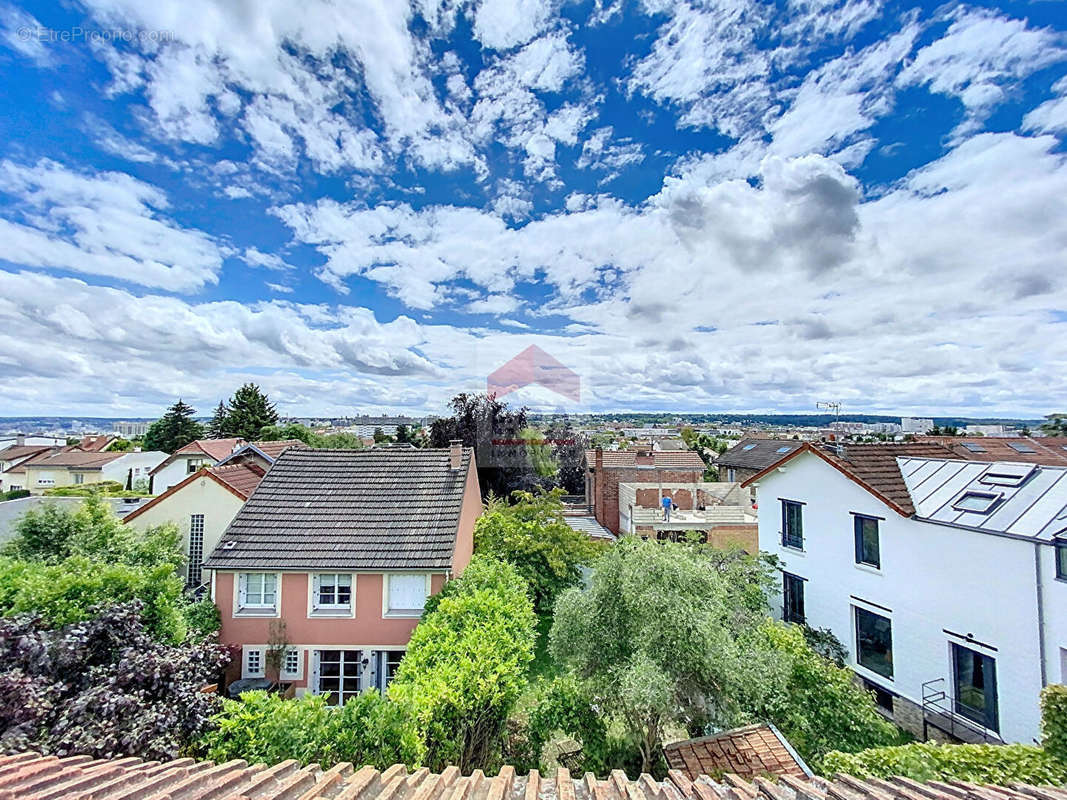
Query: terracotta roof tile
{"points": [[244, 478], [749, 751], [275, 449], [218, 449], [74, 458], [14, 451]]}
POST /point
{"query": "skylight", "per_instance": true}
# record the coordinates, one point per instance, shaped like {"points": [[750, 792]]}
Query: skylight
{"points": [[974, 447], [1006, 475], [1021, 447], [979, 502], [748, 447], [783, 449]]}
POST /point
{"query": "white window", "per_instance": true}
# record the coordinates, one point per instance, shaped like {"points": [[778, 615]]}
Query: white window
{"points": [[293, 664], [257, 592], [253, 663], [79, 479], [196, 547], [46, 479], [331, 592], [407, 594], [193, 464], [390, 664]]}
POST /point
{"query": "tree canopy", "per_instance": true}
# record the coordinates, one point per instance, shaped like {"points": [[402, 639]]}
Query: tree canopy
{"points": [[678, 635], [175, 429], [494, 431], [250, 411], [532, 535], [216, 428], [294, 430]]}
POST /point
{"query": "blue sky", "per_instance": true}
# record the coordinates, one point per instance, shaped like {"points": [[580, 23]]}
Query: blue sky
{"points": [[719, 205]]}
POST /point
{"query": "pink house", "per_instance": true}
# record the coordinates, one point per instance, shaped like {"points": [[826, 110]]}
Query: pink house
{"points": [[344, 547]]}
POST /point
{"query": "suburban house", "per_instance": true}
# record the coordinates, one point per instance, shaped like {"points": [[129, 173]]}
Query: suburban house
{"points": [[14, 455], [343, 547], [606, 469], [76, 467], [202, 506], [750, 456], [186, 460], [96, 442], [945, 577], [720, 512]]}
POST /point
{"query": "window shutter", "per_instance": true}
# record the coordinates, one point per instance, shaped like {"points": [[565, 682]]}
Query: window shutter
{"points": [[314, 592], [242, 590]]}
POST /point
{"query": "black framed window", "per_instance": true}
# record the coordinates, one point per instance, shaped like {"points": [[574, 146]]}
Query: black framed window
{"points": [[874, 642], [1061, 559], [792, 524], [867, 550], [975, 680], [792, 598], [883, 698]]}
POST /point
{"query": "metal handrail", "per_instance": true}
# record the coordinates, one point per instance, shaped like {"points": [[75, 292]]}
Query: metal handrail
{"points": [[947, 707]]}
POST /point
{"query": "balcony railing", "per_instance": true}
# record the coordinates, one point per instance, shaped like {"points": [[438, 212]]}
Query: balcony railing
{"points": [[948, 715]]}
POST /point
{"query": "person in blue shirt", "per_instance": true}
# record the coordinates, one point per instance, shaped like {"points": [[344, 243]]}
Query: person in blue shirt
{"points": [[667, 503]]}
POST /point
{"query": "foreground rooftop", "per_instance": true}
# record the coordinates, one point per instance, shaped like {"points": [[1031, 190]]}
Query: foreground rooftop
{"points": [[31, 776]]}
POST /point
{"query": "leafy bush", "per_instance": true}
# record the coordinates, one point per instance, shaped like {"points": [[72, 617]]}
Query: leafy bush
{"points": [[466, 666], [60, 594], [1054, 721], [202, 618], [103, 687], [264, 728], [53, 533], [14, 494], [977, 763], [815, 703], [533, 537]]}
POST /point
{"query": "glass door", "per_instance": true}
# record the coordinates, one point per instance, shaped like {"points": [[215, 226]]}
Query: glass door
{"points": [[338, 673], [975, 681]]}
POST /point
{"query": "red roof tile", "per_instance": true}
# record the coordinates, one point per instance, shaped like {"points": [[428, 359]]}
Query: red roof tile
{"points": [[750, 751], [30, 776], [662, 459], [244, 478]]}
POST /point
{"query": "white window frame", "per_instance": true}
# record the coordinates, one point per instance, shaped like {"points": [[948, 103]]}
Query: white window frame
{"points": [[242, 609], [317, 610], [77, 478], [46, 479], [249, 650], [388, 613], [192, 465], [293, 675]]}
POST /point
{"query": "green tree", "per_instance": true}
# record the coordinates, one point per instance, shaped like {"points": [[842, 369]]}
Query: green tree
{"points": [[120, 446], [250, 412], [293, 430], [532, 535], [466, 666], [175, 429], [539, 453], [217, 427], [380, 436], [816, 704], [656, 638], [1055, 424]]}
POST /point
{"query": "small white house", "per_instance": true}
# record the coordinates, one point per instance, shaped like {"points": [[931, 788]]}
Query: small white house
{"points": [[77, 468], [202, 506], [945, 578], [189, 459]]}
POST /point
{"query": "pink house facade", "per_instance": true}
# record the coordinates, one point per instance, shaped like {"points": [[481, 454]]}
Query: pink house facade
{"points": [[343, 547]]}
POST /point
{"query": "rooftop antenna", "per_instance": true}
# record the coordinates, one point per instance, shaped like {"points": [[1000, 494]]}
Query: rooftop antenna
{"points": [[834, 406]]}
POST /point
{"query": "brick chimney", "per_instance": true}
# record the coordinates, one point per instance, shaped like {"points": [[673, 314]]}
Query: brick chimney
{"points": [[599, 460], [644, 458], [455, 453]]}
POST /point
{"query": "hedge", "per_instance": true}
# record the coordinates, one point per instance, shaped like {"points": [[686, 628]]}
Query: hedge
{"points": [[1054, 721], [976, 763]]}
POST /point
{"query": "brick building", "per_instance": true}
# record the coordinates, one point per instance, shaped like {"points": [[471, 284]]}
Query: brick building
{"points": [[605, 470]]}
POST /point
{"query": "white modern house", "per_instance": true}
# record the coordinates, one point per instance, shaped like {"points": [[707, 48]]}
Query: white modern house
{"points": [[945, 578], [187, 460]]}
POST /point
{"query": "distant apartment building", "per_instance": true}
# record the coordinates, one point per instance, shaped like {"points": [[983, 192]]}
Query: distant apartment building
{"points": [[605, 470], [131, 430], [944, 573], [915, 425]]}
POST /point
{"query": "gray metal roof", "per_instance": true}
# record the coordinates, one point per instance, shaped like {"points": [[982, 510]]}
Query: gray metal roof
{"points": [[1015, 498], [588, 525], [349, 509]]}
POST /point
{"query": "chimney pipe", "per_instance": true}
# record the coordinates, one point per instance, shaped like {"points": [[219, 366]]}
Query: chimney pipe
{"points": [[20, 439], [455, 453]]}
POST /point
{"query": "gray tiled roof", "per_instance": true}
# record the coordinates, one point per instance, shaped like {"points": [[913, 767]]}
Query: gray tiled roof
{"points": [[349, 509], [757, 454]]}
